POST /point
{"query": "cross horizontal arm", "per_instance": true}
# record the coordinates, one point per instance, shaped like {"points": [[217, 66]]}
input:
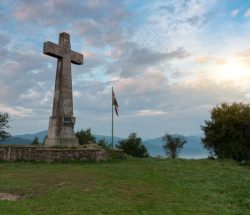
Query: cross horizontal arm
{"points": [[52, 49], [76, 58]]}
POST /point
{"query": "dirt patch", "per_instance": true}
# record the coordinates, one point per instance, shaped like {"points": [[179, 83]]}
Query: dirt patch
{"points": [[9, 197], [63, 184]]}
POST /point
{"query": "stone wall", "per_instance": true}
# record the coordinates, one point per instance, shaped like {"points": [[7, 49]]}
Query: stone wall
{"points": [[42, 153]]}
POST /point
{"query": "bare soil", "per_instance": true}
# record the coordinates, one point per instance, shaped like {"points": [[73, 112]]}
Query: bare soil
{"points": [[9, 197]]}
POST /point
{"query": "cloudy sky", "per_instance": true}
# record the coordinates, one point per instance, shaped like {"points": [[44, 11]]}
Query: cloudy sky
{"points": [[169, 61]]}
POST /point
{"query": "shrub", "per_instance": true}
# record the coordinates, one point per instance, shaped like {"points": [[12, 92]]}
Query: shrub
{"points": [[227, 134], [133, 146]]}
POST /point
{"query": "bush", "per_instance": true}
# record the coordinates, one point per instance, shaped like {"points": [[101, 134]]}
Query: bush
{"points": [[4, 124], [85, 137], [227, 134], [35, 141], [104, 144], [133, 146]]}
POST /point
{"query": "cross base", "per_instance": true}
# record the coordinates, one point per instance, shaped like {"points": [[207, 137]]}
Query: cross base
{"points": [[66, 136], [62, 142]]}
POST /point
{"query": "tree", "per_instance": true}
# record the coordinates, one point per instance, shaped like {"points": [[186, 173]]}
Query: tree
{"points": [[35, 141], [85, 137], [44, 139], [173, 144], [227, 134], [104, 144], [133, 146], [4, 124]]}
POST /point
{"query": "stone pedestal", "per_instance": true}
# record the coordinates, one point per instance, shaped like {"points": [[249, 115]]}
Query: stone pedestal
{"points": [[66, 138]]}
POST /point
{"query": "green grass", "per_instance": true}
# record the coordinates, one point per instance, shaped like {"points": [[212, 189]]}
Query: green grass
{"points": [[133, 186]]}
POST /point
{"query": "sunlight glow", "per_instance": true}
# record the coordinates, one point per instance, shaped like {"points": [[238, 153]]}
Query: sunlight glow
{"points": [[233, 70]]}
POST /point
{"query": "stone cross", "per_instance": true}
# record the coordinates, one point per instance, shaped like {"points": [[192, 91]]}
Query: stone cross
{"points": [[62, 121]]}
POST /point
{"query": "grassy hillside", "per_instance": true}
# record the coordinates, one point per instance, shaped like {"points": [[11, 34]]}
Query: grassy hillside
{"points": [[133, 186]]}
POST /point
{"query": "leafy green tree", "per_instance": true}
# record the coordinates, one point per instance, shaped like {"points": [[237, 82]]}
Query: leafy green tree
{"points": [[227, 134], [4, 124], [133, 146], [173, 144], [35, 141], [104, 144], [85, 137], [44, 139]]}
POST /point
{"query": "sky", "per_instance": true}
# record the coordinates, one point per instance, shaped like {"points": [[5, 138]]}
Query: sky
{"points": [[170, 62]]}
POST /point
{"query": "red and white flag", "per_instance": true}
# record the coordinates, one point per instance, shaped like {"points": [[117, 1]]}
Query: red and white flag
{"points": [[114, 102]]}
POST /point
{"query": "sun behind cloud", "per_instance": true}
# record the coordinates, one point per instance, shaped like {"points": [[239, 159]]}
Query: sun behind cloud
{"points": [[232, 70]]}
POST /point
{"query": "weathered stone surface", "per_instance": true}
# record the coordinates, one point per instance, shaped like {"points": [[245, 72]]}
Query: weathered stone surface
{"points": [[39, 153], [62, 121]]}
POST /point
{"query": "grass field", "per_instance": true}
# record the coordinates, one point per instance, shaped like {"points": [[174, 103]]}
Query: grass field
{"points": [[133, 186]]}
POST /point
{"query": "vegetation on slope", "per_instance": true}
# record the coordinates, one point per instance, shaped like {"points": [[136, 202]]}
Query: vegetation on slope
{"points": [[133, 186]]}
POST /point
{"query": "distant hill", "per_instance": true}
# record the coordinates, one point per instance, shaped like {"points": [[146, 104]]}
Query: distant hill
{"points": [[192, 149], [108, 139], [16, 141], [27, 138], [40, 135]]}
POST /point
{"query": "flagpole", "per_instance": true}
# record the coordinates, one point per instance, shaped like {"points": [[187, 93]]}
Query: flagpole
{"points": [[112, 121]]}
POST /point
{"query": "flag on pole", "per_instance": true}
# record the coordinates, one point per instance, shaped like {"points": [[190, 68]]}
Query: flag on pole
{"points": [[114, 102]]}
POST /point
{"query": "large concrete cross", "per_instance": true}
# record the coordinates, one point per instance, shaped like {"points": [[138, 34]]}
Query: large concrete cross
{"points": [[61, 123]]}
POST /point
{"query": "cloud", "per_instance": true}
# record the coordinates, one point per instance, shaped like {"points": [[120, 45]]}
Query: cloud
{"points": [[144, 113], [205, 59], [106, 30], [133, 95], [154, 88], [168, 22], [47, 12], [4, 40], [247, 13], [202, 59], [142, 56], [4, 52], [37, 97], [98, 33], [16, 111], [154, 104], [234, 12], [2, 18], [92, 20], [132, 60], [21, 72], [220, 60], [152, 82], [244, 53]]}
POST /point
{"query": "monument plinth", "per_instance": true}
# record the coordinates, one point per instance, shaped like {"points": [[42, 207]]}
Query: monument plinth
{"points": [[62, 121]]}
